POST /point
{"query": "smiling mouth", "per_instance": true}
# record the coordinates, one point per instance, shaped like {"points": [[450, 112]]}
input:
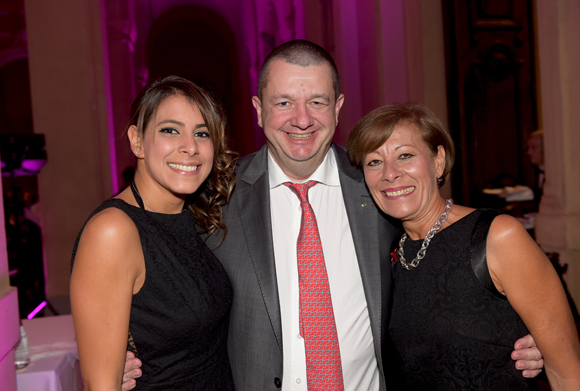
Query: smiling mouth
{"points": [[399, 192], [304, 136], [181, 167]]}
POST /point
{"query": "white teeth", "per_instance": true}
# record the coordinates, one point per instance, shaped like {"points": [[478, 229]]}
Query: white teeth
{"points": [[305, 136], [181, 167], [400, 192]]}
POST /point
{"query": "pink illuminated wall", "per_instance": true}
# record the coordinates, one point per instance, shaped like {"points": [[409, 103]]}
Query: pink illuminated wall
{"points": [[369, 41], [89, 58], [9, 319], [13, 54]]}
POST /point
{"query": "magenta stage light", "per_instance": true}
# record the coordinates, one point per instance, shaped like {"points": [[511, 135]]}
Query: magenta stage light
{"points": [[36, 310], [33, 165]]}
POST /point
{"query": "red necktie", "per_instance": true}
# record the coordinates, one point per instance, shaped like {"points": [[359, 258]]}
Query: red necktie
{"points": [[317, 325]]}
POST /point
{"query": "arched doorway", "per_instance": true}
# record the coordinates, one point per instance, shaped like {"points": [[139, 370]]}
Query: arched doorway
{"points": [[198, 44]]}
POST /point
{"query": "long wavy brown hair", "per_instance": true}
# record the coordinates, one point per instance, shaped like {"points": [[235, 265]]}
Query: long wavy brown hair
{"points": [[207, 202]]}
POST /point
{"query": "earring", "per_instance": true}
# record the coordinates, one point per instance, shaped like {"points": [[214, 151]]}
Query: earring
{"points": [[439, 180]]}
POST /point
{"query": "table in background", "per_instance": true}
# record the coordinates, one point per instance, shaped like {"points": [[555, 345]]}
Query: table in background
{"points": [[54, 363]]}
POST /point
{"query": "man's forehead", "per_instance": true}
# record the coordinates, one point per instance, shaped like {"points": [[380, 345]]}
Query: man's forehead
{"points": [[283, 75], [280, 63]]}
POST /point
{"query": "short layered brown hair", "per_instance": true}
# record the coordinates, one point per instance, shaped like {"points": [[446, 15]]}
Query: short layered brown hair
{"points": [[376, 127]]}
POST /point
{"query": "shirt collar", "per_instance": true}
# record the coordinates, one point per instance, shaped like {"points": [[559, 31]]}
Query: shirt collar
{"points": [[326, 173]]}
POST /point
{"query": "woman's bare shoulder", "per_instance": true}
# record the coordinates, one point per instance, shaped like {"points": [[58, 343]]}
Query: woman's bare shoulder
{"points": [[505, 229], [511, 252], [111, 223], [110, 236]]}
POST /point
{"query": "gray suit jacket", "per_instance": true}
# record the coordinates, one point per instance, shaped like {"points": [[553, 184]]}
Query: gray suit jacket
{"points": [[247, 253]]}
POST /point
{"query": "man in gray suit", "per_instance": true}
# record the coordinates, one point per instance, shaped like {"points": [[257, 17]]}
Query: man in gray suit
{"points": [[298, 104]]}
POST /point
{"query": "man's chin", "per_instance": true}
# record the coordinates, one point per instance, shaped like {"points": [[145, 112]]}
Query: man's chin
{"points": [[308, 157]]}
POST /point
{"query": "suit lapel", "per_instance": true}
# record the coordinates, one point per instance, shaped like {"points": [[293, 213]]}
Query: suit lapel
{"points": [[363, 220], [253, 204]]}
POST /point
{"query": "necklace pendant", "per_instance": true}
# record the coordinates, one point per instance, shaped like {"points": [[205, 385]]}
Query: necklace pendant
{"points": [[423, 250]]}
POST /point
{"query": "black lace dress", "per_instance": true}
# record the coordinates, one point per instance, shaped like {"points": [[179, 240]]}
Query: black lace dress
{"points": [[448, 331], [179, 318]]}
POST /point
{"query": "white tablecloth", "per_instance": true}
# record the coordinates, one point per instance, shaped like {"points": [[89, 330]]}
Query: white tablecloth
{"points": [[54, 363]]}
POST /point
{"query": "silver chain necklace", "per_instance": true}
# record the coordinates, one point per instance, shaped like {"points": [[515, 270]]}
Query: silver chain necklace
{"points": [[421, 253]]}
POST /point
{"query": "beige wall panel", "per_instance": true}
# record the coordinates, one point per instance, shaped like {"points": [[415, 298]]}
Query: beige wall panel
{"points": [[69, 90], [558, 224]]}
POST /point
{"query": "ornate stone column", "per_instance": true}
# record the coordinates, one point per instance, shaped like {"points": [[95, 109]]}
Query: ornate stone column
{"points": [[387, 51], [558, 223], [9, 317], [70, 96], [122, 35]]}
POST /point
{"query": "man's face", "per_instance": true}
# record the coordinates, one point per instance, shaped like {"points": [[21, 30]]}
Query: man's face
{"points": [[535, 151], [299, 114]]}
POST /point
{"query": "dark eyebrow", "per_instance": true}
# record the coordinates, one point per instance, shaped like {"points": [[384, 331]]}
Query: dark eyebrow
{"points": [[288, 97], [282, 96], [321, 96], [405, 145], [172, 121]]}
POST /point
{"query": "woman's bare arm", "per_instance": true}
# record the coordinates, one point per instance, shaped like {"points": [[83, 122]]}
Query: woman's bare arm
{"points": [[522, 272], [108, 269]]}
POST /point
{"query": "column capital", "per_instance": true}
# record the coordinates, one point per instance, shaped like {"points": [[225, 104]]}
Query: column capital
{"points": [[123, 31]]}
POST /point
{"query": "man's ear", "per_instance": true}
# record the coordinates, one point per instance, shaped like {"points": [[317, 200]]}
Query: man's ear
{"points": [[135, 141], [258, 106], [338, 105]]}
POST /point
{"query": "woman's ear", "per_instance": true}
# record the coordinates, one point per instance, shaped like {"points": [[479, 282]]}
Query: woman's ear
{"points": [[135, 141], [440, 161]]}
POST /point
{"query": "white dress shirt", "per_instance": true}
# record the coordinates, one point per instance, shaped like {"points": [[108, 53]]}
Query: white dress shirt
{"points": [[359, 365]]}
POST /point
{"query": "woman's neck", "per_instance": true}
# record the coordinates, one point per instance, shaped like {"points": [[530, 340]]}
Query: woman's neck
{"points": [[418, 227], [156, 198]]}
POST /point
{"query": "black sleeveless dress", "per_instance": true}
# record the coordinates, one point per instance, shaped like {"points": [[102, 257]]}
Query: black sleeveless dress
{"points": [[449, 332], [179, 318]]}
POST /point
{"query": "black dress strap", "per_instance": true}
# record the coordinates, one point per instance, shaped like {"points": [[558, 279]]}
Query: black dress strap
{"points": [[478, 253], [137, 195]]}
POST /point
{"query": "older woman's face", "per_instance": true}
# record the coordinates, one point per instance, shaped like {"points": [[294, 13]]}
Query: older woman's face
{"points": [[402, 174]]}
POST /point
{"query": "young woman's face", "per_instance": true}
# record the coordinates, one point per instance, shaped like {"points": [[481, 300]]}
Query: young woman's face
{"points": [[177, 148]]}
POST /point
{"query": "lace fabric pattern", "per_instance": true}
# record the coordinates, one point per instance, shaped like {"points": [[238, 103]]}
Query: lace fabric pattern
{"points": [[449, 332], [180, 316], [131, 345]]}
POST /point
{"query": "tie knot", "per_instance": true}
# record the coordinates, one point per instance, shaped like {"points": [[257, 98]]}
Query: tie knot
{"points": [[301, 189]]}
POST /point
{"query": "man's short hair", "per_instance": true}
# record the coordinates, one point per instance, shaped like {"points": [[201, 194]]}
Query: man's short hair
{"points": [[302, 53]]}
